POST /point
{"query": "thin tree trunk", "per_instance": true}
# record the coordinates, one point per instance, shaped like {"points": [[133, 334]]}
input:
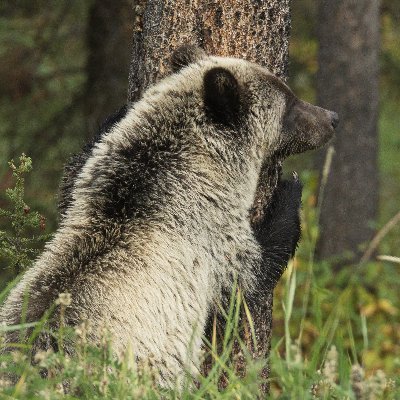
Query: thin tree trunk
{"points": [[254, 30], [109, 33], [347, 82]]}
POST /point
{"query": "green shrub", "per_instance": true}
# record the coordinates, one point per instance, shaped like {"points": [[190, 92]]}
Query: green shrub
{"points": [[18, 242]]}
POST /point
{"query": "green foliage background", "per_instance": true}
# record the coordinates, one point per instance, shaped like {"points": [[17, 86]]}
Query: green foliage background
{"points": [[42, 78]]}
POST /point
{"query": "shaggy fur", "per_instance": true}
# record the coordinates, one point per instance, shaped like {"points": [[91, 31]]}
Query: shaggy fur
{"points": [[156, 211]]}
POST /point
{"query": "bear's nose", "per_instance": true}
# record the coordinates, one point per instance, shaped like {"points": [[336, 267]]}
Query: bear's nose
{"points": [[335, 119]]}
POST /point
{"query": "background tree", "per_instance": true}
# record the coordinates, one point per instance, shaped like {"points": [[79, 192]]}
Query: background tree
{"points": [[347, 82], [257, 31], [108, 36]]}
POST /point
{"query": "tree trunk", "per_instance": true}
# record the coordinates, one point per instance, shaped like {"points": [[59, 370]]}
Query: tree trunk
{"points": [[109, 33], [347, 82], [254, 30]]}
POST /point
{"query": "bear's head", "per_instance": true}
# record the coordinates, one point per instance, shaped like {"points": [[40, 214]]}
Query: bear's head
{"points": [[218, 117], [242, 96]]}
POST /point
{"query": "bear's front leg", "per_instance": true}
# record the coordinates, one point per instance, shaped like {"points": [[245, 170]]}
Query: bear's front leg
{"points": [[278, 232]]}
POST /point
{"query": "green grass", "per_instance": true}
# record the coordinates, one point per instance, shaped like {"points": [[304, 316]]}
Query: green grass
{"points": [[328, 368], [355, 312], [94, 372]]}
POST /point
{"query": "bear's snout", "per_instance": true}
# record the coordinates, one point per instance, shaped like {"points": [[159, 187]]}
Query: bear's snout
{"points": [[307, 127]]}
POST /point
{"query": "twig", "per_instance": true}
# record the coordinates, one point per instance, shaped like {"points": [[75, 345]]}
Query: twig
{"points": [[378, 238], [392, 259], [313, 239]]}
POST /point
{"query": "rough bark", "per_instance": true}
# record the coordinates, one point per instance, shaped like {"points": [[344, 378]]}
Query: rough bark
{"points": [[254, 30], [108, 36], [347, 82]]}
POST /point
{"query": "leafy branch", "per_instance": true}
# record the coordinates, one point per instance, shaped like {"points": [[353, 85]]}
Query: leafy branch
{"points": [[18, 246]]}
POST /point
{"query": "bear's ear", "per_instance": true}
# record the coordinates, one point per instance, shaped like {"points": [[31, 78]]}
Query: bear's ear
{"points": [[185, 55], [222, 96]]}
